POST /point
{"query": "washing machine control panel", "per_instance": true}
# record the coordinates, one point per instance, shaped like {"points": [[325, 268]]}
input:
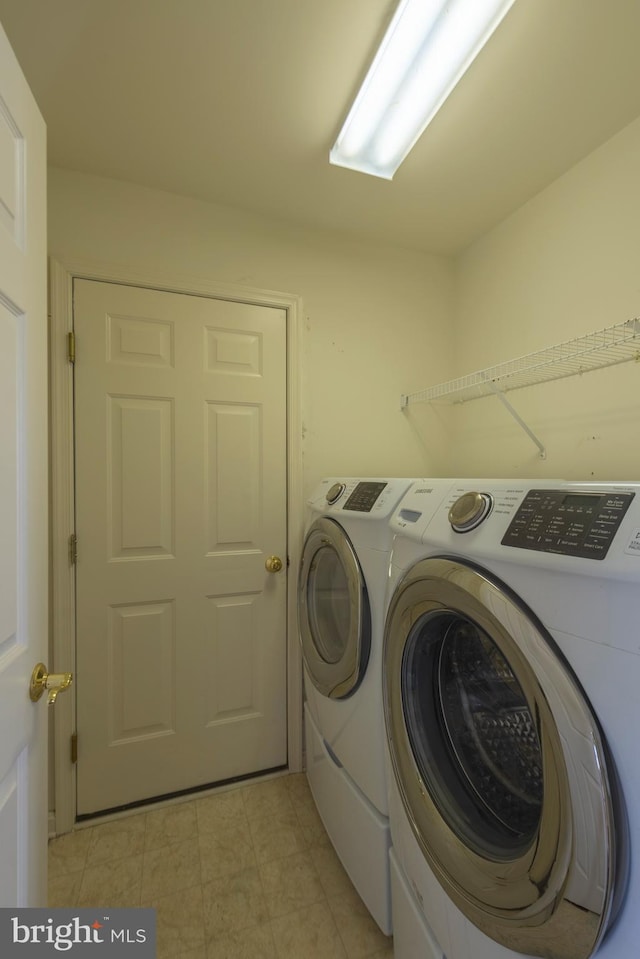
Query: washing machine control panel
{"points": [[571, 523], [364, 496]]}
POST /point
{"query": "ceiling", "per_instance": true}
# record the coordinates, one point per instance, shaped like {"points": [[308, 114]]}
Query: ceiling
{"points": [[239, 101]]}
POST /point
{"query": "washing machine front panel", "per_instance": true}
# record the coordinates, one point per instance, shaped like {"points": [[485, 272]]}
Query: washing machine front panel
{"points": [[501, 767], [333, 611]]}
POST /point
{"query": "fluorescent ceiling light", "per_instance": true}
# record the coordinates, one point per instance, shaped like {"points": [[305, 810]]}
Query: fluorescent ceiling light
{"points": [[428, 47]]}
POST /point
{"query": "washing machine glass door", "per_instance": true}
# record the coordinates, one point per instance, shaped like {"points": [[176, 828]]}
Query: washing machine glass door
{"points": [[502, 769], [333, 611]]}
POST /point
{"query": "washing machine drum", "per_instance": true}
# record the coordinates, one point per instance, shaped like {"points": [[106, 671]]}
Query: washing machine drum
{"points": [[334, 616], [501, 766]]}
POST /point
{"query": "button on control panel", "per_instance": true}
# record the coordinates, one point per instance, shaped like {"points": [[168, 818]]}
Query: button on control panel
{"points": [[364, 497], [570, 523]]}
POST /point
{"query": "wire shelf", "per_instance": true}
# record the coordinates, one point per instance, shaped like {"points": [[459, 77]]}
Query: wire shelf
{"points": [[614, 344]]}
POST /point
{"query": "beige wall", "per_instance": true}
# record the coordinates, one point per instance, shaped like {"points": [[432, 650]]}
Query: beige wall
{"points": [[379, 321], [567, 263], [375, 318]]}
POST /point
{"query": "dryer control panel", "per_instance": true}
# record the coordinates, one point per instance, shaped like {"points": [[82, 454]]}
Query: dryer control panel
{"points": [[571, 523]]}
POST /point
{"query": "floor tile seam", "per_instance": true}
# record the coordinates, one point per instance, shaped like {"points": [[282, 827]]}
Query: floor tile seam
{"points": [[149, 833], [302, 912], [265, 899], [271, 814], [337, 925], [275, 814], [212, 939], [301, 798], [264, 892], [82, 856], [201, 874], [95, 829], [138, 881], [185, 952], [116, 863], [368, 955], [155, 848], [337, 897], [111, 862], [169, 845], [148, 902], [60, 875], [95, 864], [246, 791], [300, 908], [277, 952], [307, 905], [77, 895], [240, 928], [329, 892], [79, 886], [224, 823], [202, 840], [162, 954], [64, 875], [299, 837], [306, 826]]}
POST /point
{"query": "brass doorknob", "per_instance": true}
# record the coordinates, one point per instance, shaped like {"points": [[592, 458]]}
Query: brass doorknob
{"points": [[273, 564], [53, 683]]}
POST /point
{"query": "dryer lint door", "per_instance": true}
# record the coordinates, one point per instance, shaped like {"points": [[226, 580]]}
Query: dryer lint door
{"points": [[333, 611], [500, 763]]}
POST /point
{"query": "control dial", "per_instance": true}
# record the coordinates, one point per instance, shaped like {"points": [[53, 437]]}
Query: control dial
{"points": [[469, 510], [334, 494]]}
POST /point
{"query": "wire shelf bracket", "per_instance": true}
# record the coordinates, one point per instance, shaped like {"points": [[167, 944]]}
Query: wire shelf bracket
{"points": [[614, 344]]}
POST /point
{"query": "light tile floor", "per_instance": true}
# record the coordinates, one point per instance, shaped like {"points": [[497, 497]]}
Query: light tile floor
{"points": [[244, 874]]}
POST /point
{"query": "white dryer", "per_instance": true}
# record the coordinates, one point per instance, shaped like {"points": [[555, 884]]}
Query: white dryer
{"points": [[342, 592], [511, 678]]}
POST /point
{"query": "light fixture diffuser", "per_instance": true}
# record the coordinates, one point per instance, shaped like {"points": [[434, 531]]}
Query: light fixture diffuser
{"points": [[428, 47]]}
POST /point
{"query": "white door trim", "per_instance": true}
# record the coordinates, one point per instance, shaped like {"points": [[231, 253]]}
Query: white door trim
{"points": [[61, 276]]}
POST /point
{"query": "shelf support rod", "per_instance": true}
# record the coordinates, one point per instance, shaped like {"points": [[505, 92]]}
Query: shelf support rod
{"points": [[505, 402]]}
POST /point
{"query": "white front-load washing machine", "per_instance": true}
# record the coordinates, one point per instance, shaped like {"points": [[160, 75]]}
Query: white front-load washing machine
{"points": [[342, 591], [511, 683]]}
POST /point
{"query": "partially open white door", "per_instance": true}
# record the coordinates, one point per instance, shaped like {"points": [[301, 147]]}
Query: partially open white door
{"points": [[23, 488]]}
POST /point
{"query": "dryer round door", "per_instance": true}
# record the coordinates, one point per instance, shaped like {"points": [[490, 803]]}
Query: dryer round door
{"points": [[503, 772], [333, 611]]}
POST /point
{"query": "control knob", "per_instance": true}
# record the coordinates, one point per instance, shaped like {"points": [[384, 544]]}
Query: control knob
{"points": [[469, 510], [334, 494]]}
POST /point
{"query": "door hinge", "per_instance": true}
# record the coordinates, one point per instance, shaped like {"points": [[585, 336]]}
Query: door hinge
{"points": [[73, 549], [74, 748], [71, 346]]}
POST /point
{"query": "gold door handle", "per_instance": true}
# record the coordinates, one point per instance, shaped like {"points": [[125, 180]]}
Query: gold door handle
{"points": [[273, 564], [53, 683]]}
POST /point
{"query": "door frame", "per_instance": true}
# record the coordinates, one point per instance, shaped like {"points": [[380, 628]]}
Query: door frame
{"points": [[62, 273]]}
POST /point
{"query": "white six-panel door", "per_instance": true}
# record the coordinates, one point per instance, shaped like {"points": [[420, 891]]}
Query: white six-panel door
{"points": [[180, 419], [23, 488]]}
